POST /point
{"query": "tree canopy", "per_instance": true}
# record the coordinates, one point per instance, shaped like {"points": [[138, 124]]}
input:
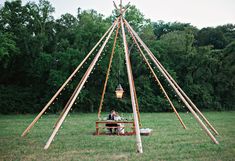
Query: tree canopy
{"points": [[39, 52]]}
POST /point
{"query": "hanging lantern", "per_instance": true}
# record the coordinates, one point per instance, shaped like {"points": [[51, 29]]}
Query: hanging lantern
{"points": [[119, 91]]}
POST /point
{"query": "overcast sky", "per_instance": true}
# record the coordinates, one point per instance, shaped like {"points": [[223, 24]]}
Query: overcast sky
{"points": [[200, 13]]}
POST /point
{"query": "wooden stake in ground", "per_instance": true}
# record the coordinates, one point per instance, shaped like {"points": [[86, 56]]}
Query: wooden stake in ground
{"points": [[173, 86], [187, 98], [63, 86], [79, 89], [156, 78], [130, 78], [67, 104], [182, 92]]}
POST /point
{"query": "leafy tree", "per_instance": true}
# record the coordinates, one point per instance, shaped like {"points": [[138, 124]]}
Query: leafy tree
{"points": [[160, 27], [38, 53], [8, 49], [211, 36], [225, 84]]}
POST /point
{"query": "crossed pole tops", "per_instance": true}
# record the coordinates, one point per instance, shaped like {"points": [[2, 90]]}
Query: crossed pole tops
{"points": [[121, 10]]}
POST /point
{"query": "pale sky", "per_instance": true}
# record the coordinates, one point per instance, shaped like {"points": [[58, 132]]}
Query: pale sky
{"points": [[200, 13]]}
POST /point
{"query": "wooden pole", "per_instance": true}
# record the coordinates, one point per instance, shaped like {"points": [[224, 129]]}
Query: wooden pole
{"points": [[124, 11], [115, 5], [136, 100], [137, 104], [62, 87], [187, 98], [184, 94], [79, 89], [101, 98], [176, 90], [121, 11], [66, 106], [108, 71], [156, 78], [130, 79]]}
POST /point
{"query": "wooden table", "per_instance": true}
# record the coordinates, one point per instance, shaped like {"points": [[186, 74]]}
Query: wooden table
{"points": [[110, 122]]}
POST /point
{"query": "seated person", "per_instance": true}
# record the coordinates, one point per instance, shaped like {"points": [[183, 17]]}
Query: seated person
{"points": [[111, 117]]}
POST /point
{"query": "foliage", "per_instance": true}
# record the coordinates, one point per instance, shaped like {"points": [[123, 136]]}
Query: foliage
{"points": [[39, 52], [8, 49]]}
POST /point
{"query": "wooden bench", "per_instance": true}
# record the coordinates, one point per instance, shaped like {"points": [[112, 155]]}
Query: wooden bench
{"points": [[127, 125]]}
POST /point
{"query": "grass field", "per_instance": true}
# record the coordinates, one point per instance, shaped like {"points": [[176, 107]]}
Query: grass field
{"points": [[169, 141]]}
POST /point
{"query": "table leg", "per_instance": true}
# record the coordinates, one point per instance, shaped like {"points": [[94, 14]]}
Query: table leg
{"points": [[97, 129]]}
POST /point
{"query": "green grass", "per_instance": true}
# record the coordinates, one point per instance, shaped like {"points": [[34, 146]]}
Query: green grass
{"points": [[169, 141]]}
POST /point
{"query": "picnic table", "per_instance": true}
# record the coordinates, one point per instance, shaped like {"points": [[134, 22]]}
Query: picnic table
{"points": [[126, 125]]}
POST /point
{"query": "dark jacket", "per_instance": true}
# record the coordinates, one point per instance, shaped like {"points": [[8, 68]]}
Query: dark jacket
{"points": [[110, 117]]}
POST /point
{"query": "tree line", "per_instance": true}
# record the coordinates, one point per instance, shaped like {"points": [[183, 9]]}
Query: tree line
{"points": [[39, 52]]}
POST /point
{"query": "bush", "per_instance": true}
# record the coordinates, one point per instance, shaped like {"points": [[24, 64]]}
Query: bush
{"points": [[15, 99]]}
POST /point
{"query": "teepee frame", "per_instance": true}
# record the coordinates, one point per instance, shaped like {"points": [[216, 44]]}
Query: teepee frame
{"points": [[120, 22]]}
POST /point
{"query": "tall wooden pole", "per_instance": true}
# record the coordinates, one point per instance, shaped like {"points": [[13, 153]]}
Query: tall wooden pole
{"points": [[115, 5], [187, 98], [156, 78], [79, 89], [173, 86], [63, 86], [108, 71], [137, 104], [67, 104], [183, 93], [130, 78], [136, 100]]}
